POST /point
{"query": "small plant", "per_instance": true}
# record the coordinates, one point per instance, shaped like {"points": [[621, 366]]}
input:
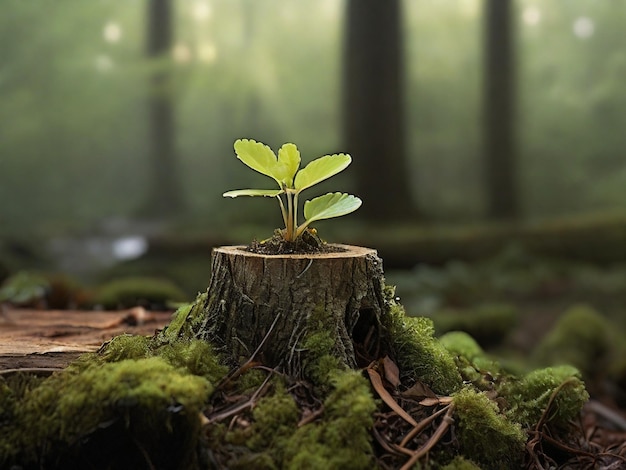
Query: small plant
{"points": [[291, 180]]}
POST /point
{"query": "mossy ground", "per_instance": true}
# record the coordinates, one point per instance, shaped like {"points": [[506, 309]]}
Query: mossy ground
{"points": [[167, 401]]}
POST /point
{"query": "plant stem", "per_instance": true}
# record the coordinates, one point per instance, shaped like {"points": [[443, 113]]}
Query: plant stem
{"points": [[295, 215], [282, 210], [289, 236]]}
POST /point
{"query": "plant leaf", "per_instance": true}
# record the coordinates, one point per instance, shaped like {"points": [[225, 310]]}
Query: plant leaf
{"points": [[330, 205], [288, 163], [259, 157], [253, 192], [321, 169]]}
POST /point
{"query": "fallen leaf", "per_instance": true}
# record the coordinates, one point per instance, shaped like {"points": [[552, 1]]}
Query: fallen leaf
{"points": [[377, 383], [419, 390], [392, 373], [436, 401]]}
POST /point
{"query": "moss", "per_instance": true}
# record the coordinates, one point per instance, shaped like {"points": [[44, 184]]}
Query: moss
{"points": [[418, 354], [581, 338], [250, 381], [125, 347], [186, 320], [473, 363], [144, 401], [485, 435], [7, 406], [460, 343], [195, 356], [339, 439], [139, 394], [461, 463], [529, 397], [275, 419], [133, 291], [318, 362], [342, 440]]}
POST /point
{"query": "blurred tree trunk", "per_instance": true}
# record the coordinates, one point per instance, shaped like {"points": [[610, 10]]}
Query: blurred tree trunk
{"points": [[165, 196], [373, 101], [499, 111]]}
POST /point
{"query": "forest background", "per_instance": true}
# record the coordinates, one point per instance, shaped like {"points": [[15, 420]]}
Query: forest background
{"points": [[119, 116]]}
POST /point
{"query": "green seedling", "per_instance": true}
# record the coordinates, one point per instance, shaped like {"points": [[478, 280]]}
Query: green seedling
{"points": [[285, 170]]}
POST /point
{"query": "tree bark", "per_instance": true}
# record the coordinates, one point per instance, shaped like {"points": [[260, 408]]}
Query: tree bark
{"points": [[499, 109], [165, 194], [264, 305], [373, 102]]}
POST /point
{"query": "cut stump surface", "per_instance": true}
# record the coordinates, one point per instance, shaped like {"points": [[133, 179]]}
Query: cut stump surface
{"points": [[268, 304]]}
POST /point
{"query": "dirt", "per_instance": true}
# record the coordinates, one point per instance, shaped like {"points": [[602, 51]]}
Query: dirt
{"points": [[308, 243]]}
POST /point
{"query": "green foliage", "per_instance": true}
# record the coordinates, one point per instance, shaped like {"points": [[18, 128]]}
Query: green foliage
{"points": [[133, 291], [485, 435], [419, 355], [284, 169]]}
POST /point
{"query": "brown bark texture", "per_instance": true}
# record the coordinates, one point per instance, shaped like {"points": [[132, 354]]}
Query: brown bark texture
{"points": [[263, 305]]}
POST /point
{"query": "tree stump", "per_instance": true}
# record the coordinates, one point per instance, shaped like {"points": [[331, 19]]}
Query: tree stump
{"points": [[262, 305]]}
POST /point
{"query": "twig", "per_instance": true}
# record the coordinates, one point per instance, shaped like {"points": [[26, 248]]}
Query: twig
{"points": [[544, 415], [305, 269], [246, 365], [434, 439], [311, 417], [249, 403], [421, 425], [385, 445]]}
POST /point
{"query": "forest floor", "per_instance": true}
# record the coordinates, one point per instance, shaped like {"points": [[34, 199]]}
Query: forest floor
{"points": [[540, 293]]}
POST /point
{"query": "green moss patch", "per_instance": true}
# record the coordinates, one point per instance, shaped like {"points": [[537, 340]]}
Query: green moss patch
{"points": [[339, 438], [582, 337], [485, 434], [556, 391], [418, 354], [145, 401], [342, 439], [137, 397]]}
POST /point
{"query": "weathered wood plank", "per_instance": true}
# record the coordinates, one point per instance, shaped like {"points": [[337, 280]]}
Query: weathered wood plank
{"points": [[53, 338]]}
